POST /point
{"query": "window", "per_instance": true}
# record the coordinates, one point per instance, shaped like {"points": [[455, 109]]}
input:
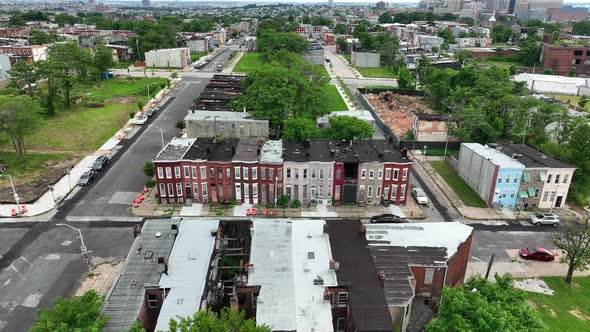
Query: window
{"points": [[395, 174], [576, 61], [321, 173], [371, 174], [179, 189], [177, 172], [313, 175], [330, 171], [168, 173], [557, 178], [578, 52], [338, 174], [586, 62], [255, 191], [342, 299], [219, 173], [545, 196], [512, 193], [212, 172], [402, 193], [196, 190], [388, 174], [280, 173], [263, 173], [296, 173], [204, 190], [380, 174], [246, 191], [162, 190], [549, 178], [378, 192], [228, 173], [394, 192], [194, 171], [254, 173], [536, 193], [499, 179], [321, 191], [152, 301], [363, 173], [405, 174], [553, 196], [245, 173], [565, 178], [305, 173], [288, 175], [515, 180], [329, 193], [370, 191], [170, 190], [160, 173], [508, 178], [187, 172], [203, 172], [237, 172], [428, 276], [504, 192], [341, 324], [271, 173]]}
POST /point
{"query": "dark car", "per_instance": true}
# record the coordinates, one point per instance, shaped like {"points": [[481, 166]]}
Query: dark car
{"points": [[388, 218], [150, 112], [86, 178], [538, 254], [100, 163]]}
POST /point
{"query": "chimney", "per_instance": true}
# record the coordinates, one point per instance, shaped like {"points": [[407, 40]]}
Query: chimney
{"points": [[174, 228], [334, 265], [381, 276], [404, 152], [208, 150], [325, 229], [258, 151], [363, 229], [327, 294], [233, 150], [136, 230]]}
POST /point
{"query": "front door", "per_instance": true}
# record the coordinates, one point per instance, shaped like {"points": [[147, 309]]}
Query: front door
{"points": [[188, 190], [558, 201], [238, 192]]}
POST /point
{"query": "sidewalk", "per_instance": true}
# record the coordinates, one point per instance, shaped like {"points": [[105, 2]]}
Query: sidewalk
{"points": [[230, 67], [68, 183]]}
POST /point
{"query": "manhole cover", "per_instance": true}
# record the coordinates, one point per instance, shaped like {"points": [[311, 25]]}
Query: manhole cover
{"points": [[66, 243]]}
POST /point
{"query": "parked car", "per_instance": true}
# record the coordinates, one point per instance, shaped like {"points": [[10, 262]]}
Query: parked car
{"points": [[142, 119], [86, 178], [545, 219], [538, 254], [100, 163], [328, 60], [388, 219], [150, 112], [420, 196], [219, 68]]}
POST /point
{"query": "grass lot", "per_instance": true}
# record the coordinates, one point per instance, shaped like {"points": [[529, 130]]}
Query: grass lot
{"points": [[33, 167], [441, 152], [335, 103], [379, 87], [198, 55], [503, 64], [570, 99], [376, 72], [348, 57], [462, 189], [555, 309], [248, 63]]}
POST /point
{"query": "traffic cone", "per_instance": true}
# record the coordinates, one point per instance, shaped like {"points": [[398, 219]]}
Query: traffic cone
{"points": [[23, 209], [248, 212], [13, 212], [253, 211], [271, 212], [145, 189], [264, 212], [135, 204]]}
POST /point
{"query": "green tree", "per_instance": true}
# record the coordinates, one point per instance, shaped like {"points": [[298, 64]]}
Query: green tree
{"points": [[581, 28], [270, 40], [385, 17], [149, 169], [529, 52], [19, 118], [340, 29], [575, 244], [501, 33], [37, 37], [405, 79], [78, 314], [23, 76], [342, 45], [572, 72], [583, 101], [447, 35], [102, 58], [300, 129], [547, 71], [68, 64], [480, 305], [345, 127], [578, 153], [226, 320]]}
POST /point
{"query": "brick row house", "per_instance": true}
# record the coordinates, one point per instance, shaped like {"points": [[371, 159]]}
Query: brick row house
{"points": [[207, 170]]}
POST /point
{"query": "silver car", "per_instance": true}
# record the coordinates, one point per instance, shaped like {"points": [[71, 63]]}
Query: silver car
{"points": [[420, 196], [545, 219]]}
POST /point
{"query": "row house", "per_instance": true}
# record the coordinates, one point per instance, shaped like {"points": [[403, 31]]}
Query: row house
{"points": [[29, 54], [256, 172]]}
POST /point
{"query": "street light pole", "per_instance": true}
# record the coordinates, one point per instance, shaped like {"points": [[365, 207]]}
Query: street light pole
{"points": [[83, 247], [148, 90], [14, 193], [161, 135]]}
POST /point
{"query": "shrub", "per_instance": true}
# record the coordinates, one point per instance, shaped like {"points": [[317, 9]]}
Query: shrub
{"points": [[296, 204], [151, 183], [283, 201]]}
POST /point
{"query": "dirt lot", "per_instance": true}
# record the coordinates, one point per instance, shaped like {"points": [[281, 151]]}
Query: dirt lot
{"points": [[29, 192], [396, 110]]}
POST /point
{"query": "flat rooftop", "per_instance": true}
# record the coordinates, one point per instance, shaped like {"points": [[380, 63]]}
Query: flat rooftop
{"points": [[175, 149], [272, 152], [494, 156], [531, 157], [141, 269], [189, 264], [195, 115], [291, 261]]}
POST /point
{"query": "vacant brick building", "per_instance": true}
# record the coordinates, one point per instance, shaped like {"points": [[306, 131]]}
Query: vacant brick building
{"points": [[561, 58]]}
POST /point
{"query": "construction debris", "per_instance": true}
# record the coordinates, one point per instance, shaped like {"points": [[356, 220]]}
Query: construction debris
{"points": [[396, 110]]}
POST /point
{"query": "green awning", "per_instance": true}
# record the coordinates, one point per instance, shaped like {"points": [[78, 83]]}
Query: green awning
{"points": [[531, 192], [527, 177], [542, 177], [523, 194]]}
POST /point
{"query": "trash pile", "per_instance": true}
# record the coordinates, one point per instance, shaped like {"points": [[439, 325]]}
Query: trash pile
{"points": [[396, 110]]}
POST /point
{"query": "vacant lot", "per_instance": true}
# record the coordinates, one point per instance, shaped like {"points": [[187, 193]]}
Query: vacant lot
{"points": [[569, 99], [568, 309], [462, 189], [335, 102], [380, 72], [76, 132], [248, 63]]}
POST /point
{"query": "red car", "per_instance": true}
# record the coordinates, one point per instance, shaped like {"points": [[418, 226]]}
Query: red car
{"points": [[539, 254]]}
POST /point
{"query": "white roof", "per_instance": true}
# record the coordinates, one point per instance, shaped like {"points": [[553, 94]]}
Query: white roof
{"points": [[429, 234], [550, 78], [493, 155], [221, 116], [272, 152], [187, 270], [287, 256], [359, 114]]}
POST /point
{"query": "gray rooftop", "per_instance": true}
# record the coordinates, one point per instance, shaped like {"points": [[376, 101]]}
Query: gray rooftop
{"points": [[221, 116], [272, 152], [247, 149], [123, 303], [175, 149]]}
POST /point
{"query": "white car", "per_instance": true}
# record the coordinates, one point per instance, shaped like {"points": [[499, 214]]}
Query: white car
{"points": [[420, 196], [142, 119], [545, 219]]}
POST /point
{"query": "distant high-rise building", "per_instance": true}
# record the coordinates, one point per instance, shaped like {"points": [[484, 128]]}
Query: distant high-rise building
{"points": [[145, 3], [330, 2], [92, 2], [381, 5]]}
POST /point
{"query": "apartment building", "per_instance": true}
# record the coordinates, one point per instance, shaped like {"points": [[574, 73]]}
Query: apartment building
{"points": [[256, 172], [561, 58]]}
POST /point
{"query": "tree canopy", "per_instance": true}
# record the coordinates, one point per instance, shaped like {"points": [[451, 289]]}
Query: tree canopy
{"points": [[501, 33], [226, 320], [581, 28], [575, 243], [480, 305], [19, 117], [347, 127], [78, 314], [271, 40]]}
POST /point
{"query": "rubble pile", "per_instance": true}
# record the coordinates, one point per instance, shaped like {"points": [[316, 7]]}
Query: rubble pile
{"points": [[396, 110]]}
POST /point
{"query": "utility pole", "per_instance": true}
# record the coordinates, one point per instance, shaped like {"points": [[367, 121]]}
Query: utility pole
{"points": [[83, 248], [18, 210], [528, 122]]}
